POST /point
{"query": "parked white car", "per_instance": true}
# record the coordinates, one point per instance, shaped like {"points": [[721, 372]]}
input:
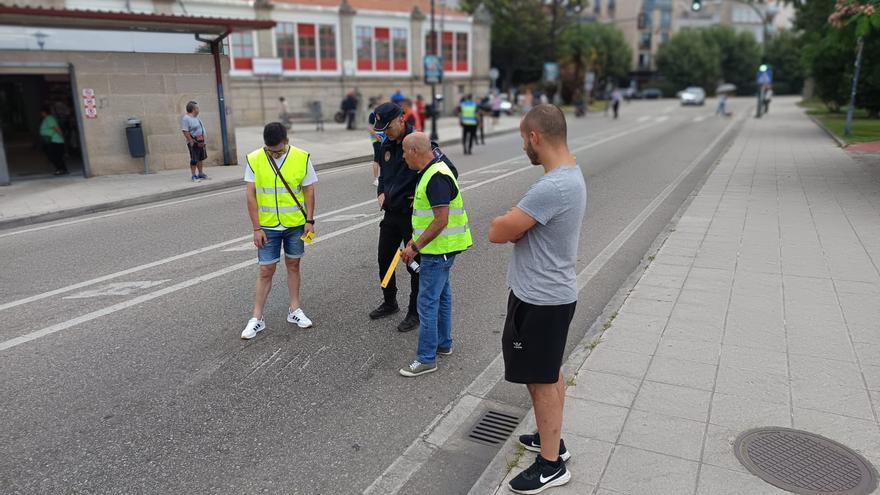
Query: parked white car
{"points": [[693, 96]]}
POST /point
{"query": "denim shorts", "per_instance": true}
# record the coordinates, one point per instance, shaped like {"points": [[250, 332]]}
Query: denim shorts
{"points": [[290, 238]]}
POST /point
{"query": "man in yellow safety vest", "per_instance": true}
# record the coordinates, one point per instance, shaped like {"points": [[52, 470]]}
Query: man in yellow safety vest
{"points": [[440, 232], [281, 205]]}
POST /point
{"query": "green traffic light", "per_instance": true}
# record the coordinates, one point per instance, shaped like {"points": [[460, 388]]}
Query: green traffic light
{"points": [[763, 68], [697, 5]]}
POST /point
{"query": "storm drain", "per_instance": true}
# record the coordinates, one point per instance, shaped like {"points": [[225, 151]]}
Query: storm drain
{"points": [[493, 428], [804, 463]]}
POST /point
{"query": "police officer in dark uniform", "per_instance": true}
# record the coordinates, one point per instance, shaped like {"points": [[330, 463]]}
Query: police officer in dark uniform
{"points": [[397, 186]]}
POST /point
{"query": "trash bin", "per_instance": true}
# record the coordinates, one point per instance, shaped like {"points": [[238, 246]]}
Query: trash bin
{"points": [[135, 135]]}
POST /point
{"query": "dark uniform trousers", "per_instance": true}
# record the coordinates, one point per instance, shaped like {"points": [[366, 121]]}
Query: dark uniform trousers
{"points": [[395, 231]]}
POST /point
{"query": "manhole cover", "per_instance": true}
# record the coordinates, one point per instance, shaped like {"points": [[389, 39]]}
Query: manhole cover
{"points": [[493, 428], [801, 462]]}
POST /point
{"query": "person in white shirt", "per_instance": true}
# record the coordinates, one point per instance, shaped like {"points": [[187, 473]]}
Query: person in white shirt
{"points": [[281, 205]]}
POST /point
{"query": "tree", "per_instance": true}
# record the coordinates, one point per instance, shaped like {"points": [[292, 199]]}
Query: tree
{"points": [[740, 56], [688, 60], [784, 55], [525, 34], [829, 36], [599, 48]]}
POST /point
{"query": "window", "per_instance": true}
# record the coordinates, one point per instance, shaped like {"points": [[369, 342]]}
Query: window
{"points": [[664, 37], [448, 54], [399, 47], [327, 42], [597, 7], [299, 46], [454, 50], [461, 52], [431, 44], [665, 19], [364, 46], [611, 8], [645, 61], [645, 40], [242, 50], [382, 49]]}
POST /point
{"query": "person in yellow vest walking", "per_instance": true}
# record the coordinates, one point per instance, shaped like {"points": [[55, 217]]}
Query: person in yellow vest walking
{"points": [[440, 232], [281, 205], [467, 114]]}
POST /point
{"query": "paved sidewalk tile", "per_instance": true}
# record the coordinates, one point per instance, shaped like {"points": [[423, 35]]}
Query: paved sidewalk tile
{"points": [[760, 309]]}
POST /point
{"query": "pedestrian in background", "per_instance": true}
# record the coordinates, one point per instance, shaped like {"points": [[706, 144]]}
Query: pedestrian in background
{"points": [[194, 132], [281, 205], [410, 115], [394, 194], [544, 227], [615, 101], [53, 140], [397, 97], [440, 233], [768, 95], [722, 105], [468, 119], [496, 107], [349, 108]]}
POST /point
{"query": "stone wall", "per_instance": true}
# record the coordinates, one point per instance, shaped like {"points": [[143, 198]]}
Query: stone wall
{"points": [[151, 87], [247, 94]]}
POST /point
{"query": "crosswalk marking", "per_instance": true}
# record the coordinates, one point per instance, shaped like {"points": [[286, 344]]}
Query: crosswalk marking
{"points": [[117, 289]]}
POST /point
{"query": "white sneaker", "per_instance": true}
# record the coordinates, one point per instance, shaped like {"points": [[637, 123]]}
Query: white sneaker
{"points": [[299, 318], [253, 326]]}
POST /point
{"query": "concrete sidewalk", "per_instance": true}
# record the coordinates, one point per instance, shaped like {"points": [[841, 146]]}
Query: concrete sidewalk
{"points": [[39, 200], [761, 308]]}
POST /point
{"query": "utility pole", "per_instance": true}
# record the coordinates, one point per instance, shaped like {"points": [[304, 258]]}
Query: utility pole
{"points": [[847, 129], [434, 41]]}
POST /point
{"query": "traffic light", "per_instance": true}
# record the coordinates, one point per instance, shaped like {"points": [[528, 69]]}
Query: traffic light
{"points": [[696, 5], [762, 68]]}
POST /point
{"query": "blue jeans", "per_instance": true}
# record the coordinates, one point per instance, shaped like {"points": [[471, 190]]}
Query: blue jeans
{"points": [[294, 247], [435, 306]]}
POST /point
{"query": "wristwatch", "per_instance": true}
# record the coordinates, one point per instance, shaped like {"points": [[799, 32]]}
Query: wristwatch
{"points": [[310, 222], [414, 248]]}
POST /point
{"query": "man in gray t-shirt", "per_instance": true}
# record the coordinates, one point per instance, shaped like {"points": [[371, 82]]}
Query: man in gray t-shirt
{"points": [[194, 132], [544, 228]]}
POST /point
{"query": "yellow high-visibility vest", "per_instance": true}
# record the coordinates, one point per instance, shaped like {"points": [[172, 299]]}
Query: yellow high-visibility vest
{"points": [[275, 205]]}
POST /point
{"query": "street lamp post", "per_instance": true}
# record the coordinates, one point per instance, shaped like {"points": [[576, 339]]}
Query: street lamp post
{"points": [[434, 136]]}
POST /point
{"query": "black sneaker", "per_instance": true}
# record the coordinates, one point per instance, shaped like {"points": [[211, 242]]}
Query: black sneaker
{"points": [[444, 351], [540, 476], [384, 310], [533, 443], [410, 323]]}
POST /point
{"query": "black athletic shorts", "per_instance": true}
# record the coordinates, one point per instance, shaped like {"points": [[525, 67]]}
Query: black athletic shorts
{"points": [[534, 340], [196, 154]]}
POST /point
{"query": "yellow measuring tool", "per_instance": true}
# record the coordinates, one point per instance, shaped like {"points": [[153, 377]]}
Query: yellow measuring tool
{"points": [[391, 268]]}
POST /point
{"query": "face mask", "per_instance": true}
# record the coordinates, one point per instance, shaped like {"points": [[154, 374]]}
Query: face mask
{"points": [[276, 154]]}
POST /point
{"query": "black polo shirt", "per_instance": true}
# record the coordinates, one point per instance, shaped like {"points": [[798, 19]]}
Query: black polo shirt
{"points": [[396, 180]]}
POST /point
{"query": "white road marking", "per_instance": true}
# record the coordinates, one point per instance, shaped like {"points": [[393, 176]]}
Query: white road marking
{"points": [[195, 252], [668, 109], [700, 118], [116, 213], [643, 118], [118, 289], [432, 438], [349, 217], [238, 266], [247, 246], [662, 118]]}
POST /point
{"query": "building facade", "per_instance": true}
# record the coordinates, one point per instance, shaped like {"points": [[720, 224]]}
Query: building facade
{"points": [[320, 50]]}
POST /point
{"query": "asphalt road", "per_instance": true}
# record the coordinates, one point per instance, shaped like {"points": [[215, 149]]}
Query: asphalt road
{"points": [[121, 366]]}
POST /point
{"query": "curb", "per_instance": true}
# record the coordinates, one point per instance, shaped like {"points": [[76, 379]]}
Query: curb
{"points": [[190, 191], [491, 480], [840, 142]]}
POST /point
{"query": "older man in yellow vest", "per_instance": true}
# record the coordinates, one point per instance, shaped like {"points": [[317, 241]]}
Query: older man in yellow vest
{"points": [[440, 232], [281, 205]]}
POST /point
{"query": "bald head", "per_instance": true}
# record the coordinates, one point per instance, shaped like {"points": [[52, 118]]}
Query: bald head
{"points": [[418, 142], [548, 121], [417, 150]]}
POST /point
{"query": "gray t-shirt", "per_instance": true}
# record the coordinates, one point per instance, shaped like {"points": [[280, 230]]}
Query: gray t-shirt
{"points": [[542, 269], [193, 125]]}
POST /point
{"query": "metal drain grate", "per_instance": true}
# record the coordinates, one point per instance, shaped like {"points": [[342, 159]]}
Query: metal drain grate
{"points": [[804, 463], [493, 428]]}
